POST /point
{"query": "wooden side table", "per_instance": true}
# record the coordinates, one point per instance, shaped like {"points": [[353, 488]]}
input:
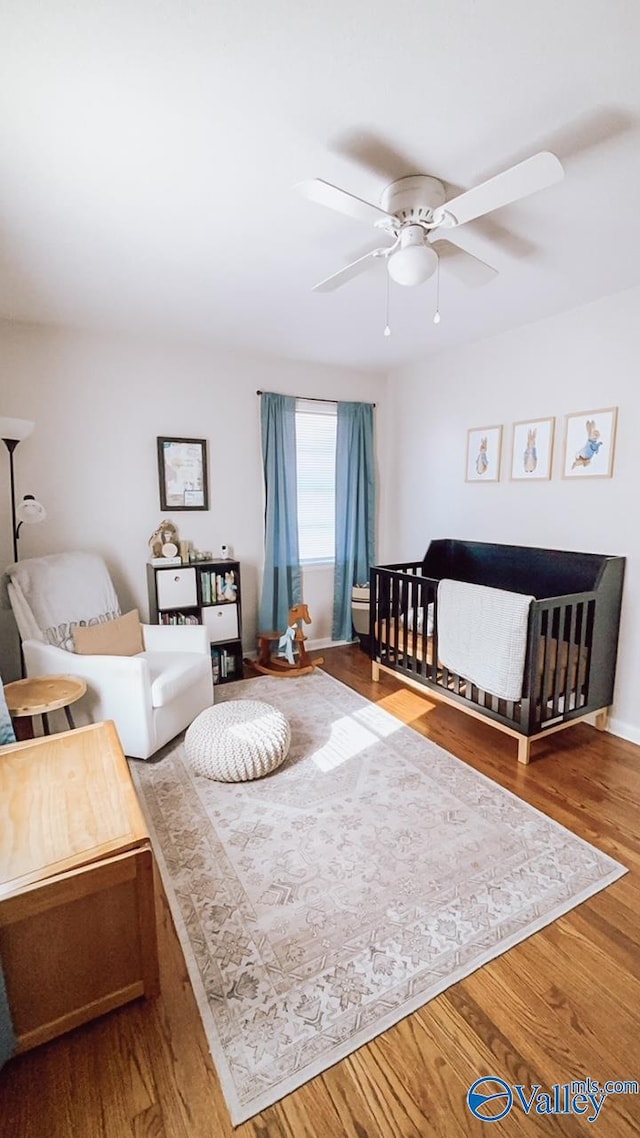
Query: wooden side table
{"points": [[77, 914], [39, 695]]}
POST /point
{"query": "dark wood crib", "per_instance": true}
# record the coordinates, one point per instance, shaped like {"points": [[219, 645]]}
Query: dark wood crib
{"points": [[572, 635]]}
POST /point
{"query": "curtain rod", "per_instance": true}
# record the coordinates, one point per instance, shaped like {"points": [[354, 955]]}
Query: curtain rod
{"points": [[311, 398]]}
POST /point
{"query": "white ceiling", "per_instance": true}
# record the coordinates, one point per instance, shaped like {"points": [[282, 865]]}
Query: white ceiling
{"points": [[149, 148]]}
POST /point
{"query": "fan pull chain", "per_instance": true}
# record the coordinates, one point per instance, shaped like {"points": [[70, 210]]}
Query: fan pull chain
{"points": [[436, 315], [387, 327]]}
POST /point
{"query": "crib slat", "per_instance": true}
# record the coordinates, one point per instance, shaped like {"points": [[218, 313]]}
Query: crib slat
{"points": [[386, 622], [409, 644], [584, 655], [561, 655], [554, 659], [395, 606], [432, 668], [417, 600], [547, 641], [401, 615], [569, 682], [374, 609], [581, 631], [422, 605]]}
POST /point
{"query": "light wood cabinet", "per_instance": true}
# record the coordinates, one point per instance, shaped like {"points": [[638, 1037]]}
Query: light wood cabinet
{"points": [[77, 915]]}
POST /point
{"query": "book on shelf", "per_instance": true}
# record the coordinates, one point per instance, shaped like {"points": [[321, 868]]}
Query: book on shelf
{"points": [[162, 562], [179, 618], [223, 664], [205, 586]]}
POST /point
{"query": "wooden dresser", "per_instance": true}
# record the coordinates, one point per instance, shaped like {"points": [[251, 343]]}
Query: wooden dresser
{"points": [[77, 915]]}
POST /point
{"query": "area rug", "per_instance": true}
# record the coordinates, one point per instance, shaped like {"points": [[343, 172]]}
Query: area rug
{"points": [[318, 906]]}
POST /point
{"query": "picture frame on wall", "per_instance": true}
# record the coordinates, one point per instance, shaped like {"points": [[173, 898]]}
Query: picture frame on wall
{"points": [[484, 450], [182, 474], [589, 443], [532, 450]]}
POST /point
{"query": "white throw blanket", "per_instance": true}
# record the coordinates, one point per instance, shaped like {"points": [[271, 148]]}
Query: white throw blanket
{"points": [[482, 635], [51, 595]]}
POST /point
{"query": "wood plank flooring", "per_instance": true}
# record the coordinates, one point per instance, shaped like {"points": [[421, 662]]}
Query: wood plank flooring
{"points": [[563, 1005]]}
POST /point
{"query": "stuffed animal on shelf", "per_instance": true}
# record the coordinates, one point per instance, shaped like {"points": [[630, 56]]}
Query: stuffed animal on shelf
{"points": [[229, 587], [166, 534]]}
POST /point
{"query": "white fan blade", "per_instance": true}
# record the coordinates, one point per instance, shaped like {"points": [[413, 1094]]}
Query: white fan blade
{"points": [[468, 268], [535, 173], [349, 271], [332, 196]]}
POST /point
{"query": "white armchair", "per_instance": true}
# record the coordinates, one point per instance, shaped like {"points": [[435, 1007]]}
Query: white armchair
{"points": [[151, 696]]}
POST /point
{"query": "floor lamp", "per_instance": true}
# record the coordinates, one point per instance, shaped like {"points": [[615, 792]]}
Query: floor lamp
{"points": [[12, 432]]}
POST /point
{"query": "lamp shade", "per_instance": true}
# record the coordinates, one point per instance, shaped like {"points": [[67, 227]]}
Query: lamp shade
{"points": [[15, 429], [413, 264], [30, 511]]}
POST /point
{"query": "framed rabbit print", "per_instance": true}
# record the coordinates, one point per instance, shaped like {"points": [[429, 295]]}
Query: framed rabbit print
{"points": [[532, 450], [484, 446], [590, 439]]}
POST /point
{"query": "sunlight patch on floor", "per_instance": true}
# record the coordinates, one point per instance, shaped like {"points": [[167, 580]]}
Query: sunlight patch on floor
{"points": [[406, 705], [346, 739], [352, 734]]}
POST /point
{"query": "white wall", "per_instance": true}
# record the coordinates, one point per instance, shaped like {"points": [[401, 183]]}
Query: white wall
{"points": [[586, 359], [99, 403]]}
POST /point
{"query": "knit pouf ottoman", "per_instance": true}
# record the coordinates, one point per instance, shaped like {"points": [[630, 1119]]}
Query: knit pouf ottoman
{"points": [[237, 741]]}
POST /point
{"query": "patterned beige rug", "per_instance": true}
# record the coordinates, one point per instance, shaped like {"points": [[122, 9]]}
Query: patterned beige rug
{"points": [[320, 905]]}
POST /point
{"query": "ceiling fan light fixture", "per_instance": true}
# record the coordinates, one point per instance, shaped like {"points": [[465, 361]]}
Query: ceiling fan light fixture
{"points": [[415, 211], [414, 262], [413, 265]]}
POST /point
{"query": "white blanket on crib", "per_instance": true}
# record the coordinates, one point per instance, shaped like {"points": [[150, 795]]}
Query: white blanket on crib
{"points": [[482, 635]]}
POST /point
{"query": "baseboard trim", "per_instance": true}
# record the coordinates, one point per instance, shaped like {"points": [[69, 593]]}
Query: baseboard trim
{"points": [[624, 730], [311, 645], [327, 642]]}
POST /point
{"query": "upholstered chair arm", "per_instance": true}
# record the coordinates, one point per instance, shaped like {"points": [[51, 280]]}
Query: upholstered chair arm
{"points": [[118, 688], [175, 638]]}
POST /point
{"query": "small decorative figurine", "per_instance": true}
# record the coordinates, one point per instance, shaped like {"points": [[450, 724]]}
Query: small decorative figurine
{"points": [[229, 588], [166, 534]]}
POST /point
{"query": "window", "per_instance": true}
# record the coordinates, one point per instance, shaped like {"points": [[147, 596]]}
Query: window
{"points": [[316, 425]]}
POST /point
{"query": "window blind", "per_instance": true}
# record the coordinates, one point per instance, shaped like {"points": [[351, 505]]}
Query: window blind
{"points": [[316, 426]]}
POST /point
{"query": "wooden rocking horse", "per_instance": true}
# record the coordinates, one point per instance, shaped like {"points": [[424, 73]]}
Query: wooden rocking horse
{"points": [[293, 658]]}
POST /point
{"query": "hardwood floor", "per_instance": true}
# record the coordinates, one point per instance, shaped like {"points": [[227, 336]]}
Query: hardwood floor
{"points": [[561, 1006]]}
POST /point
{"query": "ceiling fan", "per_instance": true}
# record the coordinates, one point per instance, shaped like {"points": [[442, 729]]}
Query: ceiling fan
{"points": [[415, 214]]}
